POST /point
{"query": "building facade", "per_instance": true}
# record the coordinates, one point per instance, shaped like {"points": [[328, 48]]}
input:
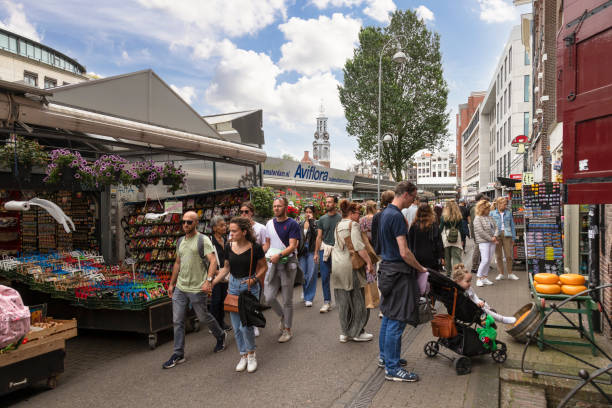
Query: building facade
{"points": [[22, 59], [507, 105], [466, 111]]}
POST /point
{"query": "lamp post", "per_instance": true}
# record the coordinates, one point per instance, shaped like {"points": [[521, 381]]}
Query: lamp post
{"points": [[398, 57]]}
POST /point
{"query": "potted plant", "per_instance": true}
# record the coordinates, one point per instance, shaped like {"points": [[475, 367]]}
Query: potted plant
{"points": [[262, 199], [109, 170], [21, 155], [148, 172], [173, 177], [66, 167]]}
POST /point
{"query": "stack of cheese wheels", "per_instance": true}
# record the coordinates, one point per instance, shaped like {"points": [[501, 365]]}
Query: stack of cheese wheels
{"points": [[572, 283], [547, 283]]}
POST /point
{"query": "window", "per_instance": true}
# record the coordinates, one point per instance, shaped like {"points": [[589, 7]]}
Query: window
{"points": [[37, 53], [30, 78], [504, 168], [506, 68], [509, 164], [497, 112], [4, 41], [497, 141], [50, 83], [22, 47], [506, 99], [526, 123], [30, 49], [526, 58], [526, 88], [510, 60], [445, 174], [434, 174], [510, 96], [12, 44], [510, 129]]}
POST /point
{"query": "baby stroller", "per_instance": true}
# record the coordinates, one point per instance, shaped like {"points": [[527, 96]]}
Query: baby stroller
{"points": [[465, 315]]}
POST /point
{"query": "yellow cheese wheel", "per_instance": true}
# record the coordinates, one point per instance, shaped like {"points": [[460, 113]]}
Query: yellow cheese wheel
{"points": [[571, 279], [549, 278], [572, 289], [548, 289]]}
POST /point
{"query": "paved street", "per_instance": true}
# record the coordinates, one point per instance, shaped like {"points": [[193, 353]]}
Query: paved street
{"points": [[313, 369]]}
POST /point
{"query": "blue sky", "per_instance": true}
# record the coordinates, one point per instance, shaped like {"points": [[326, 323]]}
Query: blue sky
{"points": [[283, 56]]}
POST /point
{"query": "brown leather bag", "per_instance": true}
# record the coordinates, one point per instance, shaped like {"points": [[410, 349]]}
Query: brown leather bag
{"points": [[443, 325], [230, 304], [374, 258], [356, 260]]}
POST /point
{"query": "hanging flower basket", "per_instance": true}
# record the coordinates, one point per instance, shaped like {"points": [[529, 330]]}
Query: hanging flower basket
{"points": [[147, 172], [109, 170], [173, 177], [21, 155], [66, 168]]}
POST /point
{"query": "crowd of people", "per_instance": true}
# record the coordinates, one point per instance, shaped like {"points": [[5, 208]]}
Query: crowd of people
{"points": [[348, 246]]}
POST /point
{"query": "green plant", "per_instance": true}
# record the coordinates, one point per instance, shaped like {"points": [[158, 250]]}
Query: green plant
{"points": [[27, 152], [173, 177], [65, 161], [262, 199]]}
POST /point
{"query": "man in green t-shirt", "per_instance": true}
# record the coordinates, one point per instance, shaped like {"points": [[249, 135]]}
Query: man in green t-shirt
{"points": [[326, 227], [192, 274]]}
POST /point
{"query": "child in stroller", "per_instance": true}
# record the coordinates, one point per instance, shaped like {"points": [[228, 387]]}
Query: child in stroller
{"points": [[456, 330], [463, 278]]}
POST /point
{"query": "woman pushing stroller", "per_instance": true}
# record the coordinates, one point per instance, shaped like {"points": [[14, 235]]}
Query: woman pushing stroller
{"points": [[462, 277]]}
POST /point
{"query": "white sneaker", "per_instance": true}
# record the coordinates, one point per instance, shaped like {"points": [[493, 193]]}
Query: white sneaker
{"points": [[380, 315], [308, 303], [508, 319], [343, 338], [513, 277], [252, 363], [364, 337], [242, 364], [500, 276], [285, 337], [325, 308], [486, 281], [256, 331], [480, 283]]}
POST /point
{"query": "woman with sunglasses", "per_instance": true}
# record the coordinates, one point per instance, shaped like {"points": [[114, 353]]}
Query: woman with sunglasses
{"points": [[306, 255], [246, 265], [247, 210]]}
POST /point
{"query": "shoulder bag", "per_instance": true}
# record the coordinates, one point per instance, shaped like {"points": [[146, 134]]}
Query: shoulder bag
{"points": [[230, 304], [443, 325], [356, 260]]}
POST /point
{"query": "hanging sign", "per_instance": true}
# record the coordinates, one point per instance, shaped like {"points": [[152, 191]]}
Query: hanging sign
{"points": [[173, 207], [528, 178]]}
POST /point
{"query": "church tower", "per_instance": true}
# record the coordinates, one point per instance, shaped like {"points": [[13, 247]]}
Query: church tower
{"points": [[320, 146]]}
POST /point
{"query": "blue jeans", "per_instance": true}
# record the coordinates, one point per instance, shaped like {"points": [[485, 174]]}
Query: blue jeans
{"points": [[244, 335], [310, 276], [180, 301], [390, 343], [325, 269]]}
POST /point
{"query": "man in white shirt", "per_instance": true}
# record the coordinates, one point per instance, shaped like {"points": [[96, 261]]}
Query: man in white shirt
{"points": [[410, 212]]}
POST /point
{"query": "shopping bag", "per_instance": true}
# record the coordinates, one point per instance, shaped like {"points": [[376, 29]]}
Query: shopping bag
{"points": [[372, 299]]}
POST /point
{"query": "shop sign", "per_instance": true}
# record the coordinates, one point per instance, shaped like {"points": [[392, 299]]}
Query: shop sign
{"points": [[516, 176], [528, 178], [173, 207], [279, 168]]}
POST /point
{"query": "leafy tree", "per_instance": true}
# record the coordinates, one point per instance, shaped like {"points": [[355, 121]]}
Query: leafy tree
{"points": [[287, 156], [414, 94]]}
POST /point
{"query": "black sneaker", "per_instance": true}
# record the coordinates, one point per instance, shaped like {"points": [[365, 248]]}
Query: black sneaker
{"points": [[174, 360], [402, 375], [221, 343], [402, 362]]}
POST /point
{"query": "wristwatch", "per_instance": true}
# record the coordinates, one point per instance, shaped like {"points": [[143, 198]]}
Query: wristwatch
{"points": [[210, 279]]}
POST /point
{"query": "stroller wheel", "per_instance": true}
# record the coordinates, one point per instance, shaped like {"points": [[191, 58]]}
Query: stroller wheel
{"points": [[463, 365], [431, 348], [499, 356]]}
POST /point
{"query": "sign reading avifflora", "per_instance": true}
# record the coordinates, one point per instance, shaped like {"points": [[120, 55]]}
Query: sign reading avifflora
{"points": [[283, 173]]}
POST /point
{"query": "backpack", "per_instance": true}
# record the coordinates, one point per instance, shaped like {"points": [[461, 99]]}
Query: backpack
{"points": [[453, 234], [200, 250], [14, 317]]}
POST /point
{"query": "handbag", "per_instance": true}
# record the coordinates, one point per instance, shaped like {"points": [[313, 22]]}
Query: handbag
{"points": [[230, 304], [443, 325], [370, 292], [425, 310], [374, 258], [356, 260]]}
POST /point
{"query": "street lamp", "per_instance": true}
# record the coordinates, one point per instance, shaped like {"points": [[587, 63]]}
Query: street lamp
{"points": [[399, 57]]}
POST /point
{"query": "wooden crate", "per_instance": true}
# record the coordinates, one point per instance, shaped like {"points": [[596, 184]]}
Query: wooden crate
{"points": [[41, 342]]}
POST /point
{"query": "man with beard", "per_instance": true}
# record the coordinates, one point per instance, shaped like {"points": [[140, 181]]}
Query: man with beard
{"points": [[325, 238]]}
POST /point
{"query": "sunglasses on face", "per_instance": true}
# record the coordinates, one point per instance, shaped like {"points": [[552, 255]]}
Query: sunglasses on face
{"points": [[245, 211], [188, 222]]}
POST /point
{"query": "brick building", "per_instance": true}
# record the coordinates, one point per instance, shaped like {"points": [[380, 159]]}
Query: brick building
{"points": [[466, 111]]}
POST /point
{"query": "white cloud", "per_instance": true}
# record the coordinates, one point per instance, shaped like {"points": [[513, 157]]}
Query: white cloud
{"points": [[424, 13], [248, 80], [309, 49], [17, 22], [125, 56], [497, 11], [188, 93], [379, 10], [323, 4]]}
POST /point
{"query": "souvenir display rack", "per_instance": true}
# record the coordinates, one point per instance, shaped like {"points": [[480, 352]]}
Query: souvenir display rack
{"points": [[583, 239], [543, 228], [516, 206], [10, 225], [153, 243]]}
